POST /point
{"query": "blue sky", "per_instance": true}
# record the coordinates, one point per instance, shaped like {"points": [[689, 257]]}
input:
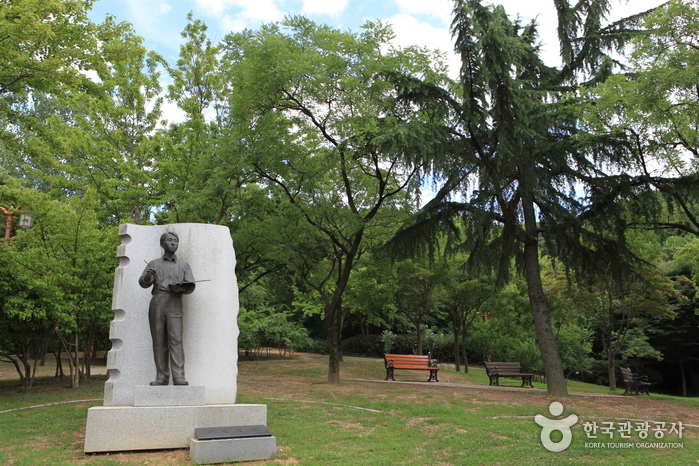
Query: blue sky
{"points": [[415, 22]]}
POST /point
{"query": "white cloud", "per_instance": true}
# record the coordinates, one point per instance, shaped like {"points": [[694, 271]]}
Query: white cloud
{"points": [[410, 31], [229, 23], [252, 10], [326, 7], [214, 7], [439, 8]]}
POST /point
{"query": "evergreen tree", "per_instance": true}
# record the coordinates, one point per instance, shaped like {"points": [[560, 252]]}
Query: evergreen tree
{"points": [[517, 155]]}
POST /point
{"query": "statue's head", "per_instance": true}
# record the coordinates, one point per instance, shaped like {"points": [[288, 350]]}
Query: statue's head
{"points": [[169, 241]]}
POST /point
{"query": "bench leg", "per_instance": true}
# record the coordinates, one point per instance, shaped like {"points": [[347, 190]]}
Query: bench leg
{"points": [[527, 382], [389, 373], [433, 376]]}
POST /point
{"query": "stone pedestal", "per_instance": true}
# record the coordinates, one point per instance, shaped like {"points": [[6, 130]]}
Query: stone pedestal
{"points": [[136, 416], [145, 395], [232, 450], [127, 428]]}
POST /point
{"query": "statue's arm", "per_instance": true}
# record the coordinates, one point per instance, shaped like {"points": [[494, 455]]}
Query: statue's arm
{"points": [[147, 278], [188, 284]]}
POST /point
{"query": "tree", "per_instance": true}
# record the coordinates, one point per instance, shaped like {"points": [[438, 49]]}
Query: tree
{"points": [[654, 108], [505, 334], [517, 155], [202, 179], [22, 329], [105, 142], [417, 292], [63, 268], [368, 297], [33, 39], [312, 114], [620, 311], [677, 337], [49, 48], [465, 299]]}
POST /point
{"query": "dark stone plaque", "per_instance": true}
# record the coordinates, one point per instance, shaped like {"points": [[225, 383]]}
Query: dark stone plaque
{"points": [[217, 433]]}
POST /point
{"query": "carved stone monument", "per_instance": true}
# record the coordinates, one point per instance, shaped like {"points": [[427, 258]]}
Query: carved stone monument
{"points": [[137, 415]]}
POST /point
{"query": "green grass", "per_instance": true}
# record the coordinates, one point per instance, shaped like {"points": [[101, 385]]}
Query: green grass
{"points": [[316, 423], [418, 435]]}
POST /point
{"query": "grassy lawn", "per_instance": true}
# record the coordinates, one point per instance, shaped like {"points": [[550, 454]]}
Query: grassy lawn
{"points": [[364, 420]]}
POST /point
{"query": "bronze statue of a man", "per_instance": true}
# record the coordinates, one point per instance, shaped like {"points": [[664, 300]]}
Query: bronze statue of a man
{"points": [[170, 277]]}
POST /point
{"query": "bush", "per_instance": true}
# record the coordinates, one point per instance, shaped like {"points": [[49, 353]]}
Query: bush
{"points": [[369, 346], [315, 345], [266, 328]]}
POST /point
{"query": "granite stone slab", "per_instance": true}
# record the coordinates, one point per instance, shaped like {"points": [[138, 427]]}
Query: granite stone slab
{"points": [[169, 395], [232, 450], [128, 428]]}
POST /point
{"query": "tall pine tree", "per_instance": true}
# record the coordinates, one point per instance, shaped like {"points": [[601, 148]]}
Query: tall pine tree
{"points": [[518, 161]]}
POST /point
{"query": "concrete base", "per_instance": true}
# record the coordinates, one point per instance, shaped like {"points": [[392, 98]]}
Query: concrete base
{"points": [[232, 450], [127, 428], [168, 395]]}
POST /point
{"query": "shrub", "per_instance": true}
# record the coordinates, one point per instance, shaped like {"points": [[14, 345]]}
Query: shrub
{"points": [[369, 346]]}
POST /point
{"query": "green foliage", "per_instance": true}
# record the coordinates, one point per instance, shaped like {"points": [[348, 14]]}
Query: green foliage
{"points": [[575, 345], [371, 346], [264, 328], [312, 144], [438, 344], [637, 346], [503, 338], [518, 156], [387, 338], [686, 256], [319, 125], [59, 274], [416, 292], [652, 109], [104, 143], [34, 51]]}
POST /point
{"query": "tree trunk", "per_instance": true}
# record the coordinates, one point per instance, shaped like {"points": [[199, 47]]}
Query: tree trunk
{"points": [[553, 368], [45, 347], [465, 357], [59, 362], [610, 371], [334, 355], [683, 376], [419, 339], [74, 364], [457, 350]]}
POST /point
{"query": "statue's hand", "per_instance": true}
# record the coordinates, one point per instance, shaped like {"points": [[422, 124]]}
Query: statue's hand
{"points": [[176, 288], [148, 277], [181, 287]]}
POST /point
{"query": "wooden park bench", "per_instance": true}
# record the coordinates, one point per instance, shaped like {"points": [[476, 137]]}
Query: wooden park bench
{"points": [[512, 370], [634, 384], [411, 362]]}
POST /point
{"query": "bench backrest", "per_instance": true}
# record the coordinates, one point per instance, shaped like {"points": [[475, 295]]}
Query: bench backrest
{"points": [[627, 375], [502, 367], [407, 359]]}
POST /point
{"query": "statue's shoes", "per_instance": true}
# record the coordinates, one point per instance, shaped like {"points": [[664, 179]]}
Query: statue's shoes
{"points": [[159, 382], [180, 382]]}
